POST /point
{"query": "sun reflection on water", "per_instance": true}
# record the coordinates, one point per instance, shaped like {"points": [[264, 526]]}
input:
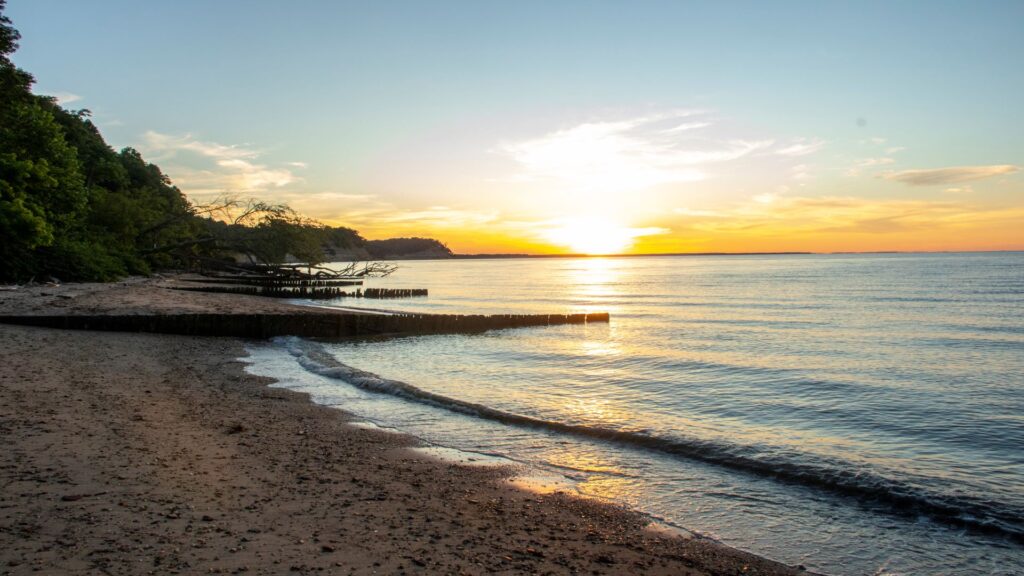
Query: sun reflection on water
{"points": [[599, 410], [604, 347], [595, 283], [601, 479]]}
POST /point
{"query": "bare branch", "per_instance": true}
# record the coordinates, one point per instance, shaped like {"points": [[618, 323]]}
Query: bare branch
{"points": [[249, 212]]}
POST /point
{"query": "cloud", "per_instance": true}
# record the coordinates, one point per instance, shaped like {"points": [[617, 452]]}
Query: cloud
{"points": [[800, 172], [65, 98], [954, 175], [694, 213], [686, 127], [203, 168], [436, 217], [860, 165], [168, 143], [329, 196], [768, 214], [625, 155], [249, 176], [880, 142], [802, 147], [870, 162]]}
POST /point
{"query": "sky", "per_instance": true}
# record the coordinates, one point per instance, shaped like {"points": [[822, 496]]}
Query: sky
{"points": [[569, 126]]}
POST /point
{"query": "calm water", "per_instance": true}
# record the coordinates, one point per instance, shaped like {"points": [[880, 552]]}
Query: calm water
{"points": [[855, 414]]}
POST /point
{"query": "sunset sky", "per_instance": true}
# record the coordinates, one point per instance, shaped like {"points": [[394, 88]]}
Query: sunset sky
{"points": [[565, 126]]}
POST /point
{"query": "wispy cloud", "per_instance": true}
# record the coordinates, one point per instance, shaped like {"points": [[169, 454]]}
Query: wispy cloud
{"points": [[884, 144], [867, 163], [821, 215], [208, 168], [946, 176], [871, 162], [625, 155], [800, 172], [686, 127], [437, 217], [65, 98], [167, 143], [801, 147], [330, 195]]}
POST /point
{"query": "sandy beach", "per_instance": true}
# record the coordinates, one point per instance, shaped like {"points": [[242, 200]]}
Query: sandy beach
{"points": [[153, 454]]}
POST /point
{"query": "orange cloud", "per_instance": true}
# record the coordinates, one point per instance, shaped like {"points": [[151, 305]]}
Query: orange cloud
{"points": [[954, 175]]}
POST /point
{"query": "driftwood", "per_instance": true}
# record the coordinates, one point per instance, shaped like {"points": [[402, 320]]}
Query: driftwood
{"points": [[263, 281], [317, 272]]}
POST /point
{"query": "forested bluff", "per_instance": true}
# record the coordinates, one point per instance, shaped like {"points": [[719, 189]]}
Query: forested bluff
{"points": [[73, 208]]}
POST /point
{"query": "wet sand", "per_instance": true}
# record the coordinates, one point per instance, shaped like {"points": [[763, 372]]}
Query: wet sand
{"points": [[155, 454]]}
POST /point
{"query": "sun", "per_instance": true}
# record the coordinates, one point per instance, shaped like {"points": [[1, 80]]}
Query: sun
{"points": [[593, 236]]}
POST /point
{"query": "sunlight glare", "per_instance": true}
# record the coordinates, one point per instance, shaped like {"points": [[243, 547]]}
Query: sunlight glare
{"points": [[592, 236]]}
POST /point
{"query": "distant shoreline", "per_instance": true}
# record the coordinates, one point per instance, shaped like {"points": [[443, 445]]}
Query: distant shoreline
{"points": [[506, 256], [675, 254]]}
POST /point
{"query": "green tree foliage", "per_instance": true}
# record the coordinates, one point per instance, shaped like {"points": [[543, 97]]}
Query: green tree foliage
{"points": [[406, 248], [70, 206], [41, 187], [341, 237]]}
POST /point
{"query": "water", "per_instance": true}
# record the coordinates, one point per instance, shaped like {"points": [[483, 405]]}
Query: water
{"points": [[858, 414]]}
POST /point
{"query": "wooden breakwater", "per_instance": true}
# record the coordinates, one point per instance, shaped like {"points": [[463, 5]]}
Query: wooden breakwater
{"points": [[259, 281], [382, 293], [307, 324], [312, 293]]}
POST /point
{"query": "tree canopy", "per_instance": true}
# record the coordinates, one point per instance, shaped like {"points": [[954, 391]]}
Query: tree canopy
{"points": [[406, 248]]}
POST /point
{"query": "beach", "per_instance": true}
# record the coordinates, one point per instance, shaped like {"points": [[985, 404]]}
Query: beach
{"points": [[147, 453]]}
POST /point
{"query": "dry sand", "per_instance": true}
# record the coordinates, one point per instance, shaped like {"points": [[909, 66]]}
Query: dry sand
{"points": [[154, 454], [133, 296]]}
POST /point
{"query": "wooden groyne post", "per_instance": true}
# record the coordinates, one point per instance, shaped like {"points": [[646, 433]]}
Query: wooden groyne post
{"points": [[312, 324], [309, 292]]}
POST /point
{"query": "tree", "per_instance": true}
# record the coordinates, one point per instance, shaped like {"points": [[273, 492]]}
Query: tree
{"points": [[42, 191], [263, 233]]}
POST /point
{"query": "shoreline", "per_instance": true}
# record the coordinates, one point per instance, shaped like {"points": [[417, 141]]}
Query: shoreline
{"points": [[514, 256], [147, 453]]}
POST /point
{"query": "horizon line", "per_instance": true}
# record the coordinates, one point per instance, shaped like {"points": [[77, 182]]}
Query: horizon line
{"points": [[502, 256]]}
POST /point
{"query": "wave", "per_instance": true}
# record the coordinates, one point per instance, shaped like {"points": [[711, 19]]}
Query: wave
{"points": [[878, 492]]}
